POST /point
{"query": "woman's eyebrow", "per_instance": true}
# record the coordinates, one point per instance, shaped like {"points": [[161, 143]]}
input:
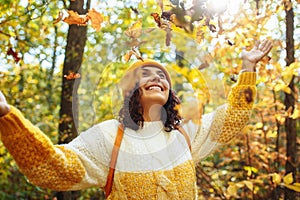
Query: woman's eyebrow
{"points": [[157, 71], [144, 69]]}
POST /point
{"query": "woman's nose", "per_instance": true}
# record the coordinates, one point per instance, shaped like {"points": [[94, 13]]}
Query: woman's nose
{"points": [[155, 77]]}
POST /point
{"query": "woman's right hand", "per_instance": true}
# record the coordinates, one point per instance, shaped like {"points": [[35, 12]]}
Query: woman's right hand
{"points": [[4, 107]]}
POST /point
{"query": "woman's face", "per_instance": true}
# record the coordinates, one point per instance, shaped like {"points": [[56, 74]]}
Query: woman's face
{"points": [[154, 86]]}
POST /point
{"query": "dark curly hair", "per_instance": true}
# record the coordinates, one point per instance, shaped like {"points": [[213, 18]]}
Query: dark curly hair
{"points": [[131, 113]]}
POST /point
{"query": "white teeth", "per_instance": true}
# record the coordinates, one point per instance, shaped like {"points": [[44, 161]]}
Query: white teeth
{"points": [[154, 88]]}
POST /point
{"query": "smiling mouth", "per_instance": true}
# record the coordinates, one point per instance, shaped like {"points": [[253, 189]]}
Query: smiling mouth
{"points": [[155, 87]]}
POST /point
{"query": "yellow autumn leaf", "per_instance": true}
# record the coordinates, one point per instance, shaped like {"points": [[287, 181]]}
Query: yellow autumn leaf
{"points": [[293, 187], [249, 185], [135, 30], [287, 75], [281, 86], [240, 184], [96, 19], [276, 178], [296, 113], [295, 66], [127, 56], [288, 179], [259, 125], [232, 190]]}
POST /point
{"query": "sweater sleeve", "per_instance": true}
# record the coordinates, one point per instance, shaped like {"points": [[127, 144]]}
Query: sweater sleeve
{"points": [[57, 167], [222, 125]]}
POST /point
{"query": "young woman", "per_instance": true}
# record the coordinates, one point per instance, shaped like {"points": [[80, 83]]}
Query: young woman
{"points": [[156, 154]]}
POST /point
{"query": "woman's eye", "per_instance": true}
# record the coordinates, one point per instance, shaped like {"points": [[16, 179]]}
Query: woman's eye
{"points": [[144, 74], [162, 76]]}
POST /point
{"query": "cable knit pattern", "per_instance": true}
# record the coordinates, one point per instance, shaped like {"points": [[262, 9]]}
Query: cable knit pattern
{"points": [[42, 163], [232, 118], [176, 184], [152, 163]]}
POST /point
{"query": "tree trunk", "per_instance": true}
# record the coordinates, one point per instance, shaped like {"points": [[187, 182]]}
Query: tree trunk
{"points": [[76, 39], [289, 102]]}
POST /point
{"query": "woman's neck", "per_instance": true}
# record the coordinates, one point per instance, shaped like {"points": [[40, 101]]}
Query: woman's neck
{"points": [[152, 113]]}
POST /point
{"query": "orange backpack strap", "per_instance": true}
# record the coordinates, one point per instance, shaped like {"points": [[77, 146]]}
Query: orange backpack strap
{"points": [[186, 136], [113, 161]]}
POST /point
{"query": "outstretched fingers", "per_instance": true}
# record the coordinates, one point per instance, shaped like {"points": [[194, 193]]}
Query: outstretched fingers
{"points": [[265, 46]]}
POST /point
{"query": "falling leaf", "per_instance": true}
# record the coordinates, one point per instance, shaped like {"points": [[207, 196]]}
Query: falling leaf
{"points": [[265, 59], [203, 65], [134, 10], [75, 18], [156, 19], [59, 18], [135, 30], [81, 20], [164, 25], [230, 43], [168, 36], [128, 55], [199, 36], [96, 19], [181, 22], [221, 30], [72, 75], [11, 52]]}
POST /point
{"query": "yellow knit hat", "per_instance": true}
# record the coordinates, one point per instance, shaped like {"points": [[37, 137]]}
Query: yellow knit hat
{"points": [[129, 80]]}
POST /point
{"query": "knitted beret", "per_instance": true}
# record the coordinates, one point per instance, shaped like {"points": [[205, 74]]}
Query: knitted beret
{"points": [[129, 80]]}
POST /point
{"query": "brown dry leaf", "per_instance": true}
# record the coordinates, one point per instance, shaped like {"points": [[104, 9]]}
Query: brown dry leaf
{"points": [[164, 25], [128, 55], [96, 19], [181, 23], [199, 35], [14, 54], [135, 30], [156, 19], [75, 18], [81, 20], [59, 18], [72, 75], [221, 30], [203, 65]]}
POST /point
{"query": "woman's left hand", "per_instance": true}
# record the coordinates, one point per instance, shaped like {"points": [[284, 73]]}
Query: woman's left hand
{"points": [[250, 58]]}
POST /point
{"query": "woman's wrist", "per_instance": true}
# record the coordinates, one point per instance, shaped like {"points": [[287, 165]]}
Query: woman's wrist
{"points": [[4, 109], [248, 66]]}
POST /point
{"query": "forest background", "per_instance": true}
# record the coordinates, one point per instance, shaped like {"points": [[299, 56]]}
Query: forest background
{"points": [[60, 69]]}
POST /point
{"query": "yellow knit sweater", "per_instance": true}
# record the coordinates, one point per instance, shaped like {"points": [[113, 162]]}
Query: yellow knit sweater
{"points": [[152, 163]]}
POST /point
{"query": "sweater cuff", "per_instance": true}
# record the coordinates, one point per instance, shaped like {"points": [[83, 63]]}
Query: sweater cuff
{"points": [[247, 78], [12, 122]]}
